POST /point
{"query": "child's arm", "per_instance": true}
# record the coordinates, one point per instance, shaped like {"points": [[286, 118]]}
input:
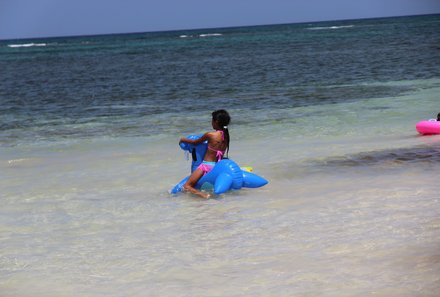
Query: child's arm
{"points": [[200, 140]]}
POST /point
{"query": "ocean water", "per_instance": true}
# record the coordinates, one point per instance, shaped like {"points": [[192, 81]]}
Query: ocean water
{"points": [[89, 128]]}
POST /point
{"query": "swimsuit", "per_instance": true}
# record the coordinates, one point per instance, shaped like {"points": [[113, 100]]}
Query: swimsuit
{"points": [[207, 166], [219, 153]]}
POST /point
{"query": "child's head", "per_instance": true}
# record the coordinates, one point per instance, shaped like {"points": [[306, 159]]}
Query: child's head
{"points": [[438, 117], [221, 118]]}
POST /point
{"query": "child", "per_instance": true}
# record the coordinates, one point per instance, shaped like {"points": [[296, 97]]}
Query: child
{"points": [[218, 146]]}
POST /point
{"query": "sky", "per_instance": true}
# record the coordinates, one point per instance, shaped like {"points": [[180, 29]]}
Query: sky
{"points": [[50, 18]]}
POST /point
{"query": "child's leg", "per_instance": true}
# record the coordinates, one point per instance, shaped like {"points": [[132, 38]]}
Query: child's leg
{"points": [[192, 181]]}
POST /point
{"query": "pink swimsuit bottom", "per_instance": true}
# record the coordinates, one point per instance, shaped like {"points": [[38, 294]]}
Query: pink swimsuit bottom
{"points": [[206, 166]]}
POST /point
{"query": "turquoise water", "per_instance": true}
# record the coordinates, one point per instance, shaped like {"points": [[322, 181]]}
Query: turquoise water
{"points": [[325, 111]]}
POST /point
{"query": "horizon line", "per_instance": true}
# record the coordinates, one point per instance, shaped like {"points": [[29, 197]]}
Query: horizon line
{"points": [[208, 28]]}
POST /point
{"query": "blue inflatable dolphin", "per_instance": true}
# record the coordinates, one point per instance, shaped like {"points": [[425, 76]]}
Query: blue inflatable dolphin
{"points": [[226, 174]]}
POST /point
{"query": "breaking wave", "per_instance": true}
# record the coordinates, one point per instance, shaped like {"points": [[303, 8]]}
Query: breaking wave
{"points": [[27, 45], [331, 27]]}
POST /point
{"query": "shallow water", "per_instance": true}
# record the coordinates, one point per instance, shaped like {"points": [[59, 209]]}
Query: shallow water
{"points": [[94, 218]]}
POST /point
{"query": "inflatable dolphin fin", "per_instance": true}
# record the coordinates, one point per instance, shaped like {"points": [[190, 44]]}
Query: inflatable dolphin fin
{"points": [[222, 183]]}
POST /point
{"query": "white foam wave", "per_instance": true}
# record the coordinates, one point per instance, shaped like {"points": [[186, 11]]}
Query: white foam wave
{"points": [[331, 27], [27, 44], [201, 35], [210, 35]]}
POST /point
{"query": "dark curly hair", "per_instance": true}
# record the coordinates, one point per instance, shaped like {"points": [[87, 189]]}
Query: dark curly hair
{"points": [[222, 117]]}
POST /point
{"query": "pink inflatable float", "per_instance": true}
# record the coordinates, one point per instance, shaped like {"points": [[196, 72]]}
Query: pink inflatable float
{"points": [[428, 127]]}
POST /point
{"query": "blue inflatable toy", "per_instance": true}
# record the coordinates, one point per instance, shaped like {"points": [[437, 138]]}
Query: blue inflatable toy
{"points": [[226, 174]]}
